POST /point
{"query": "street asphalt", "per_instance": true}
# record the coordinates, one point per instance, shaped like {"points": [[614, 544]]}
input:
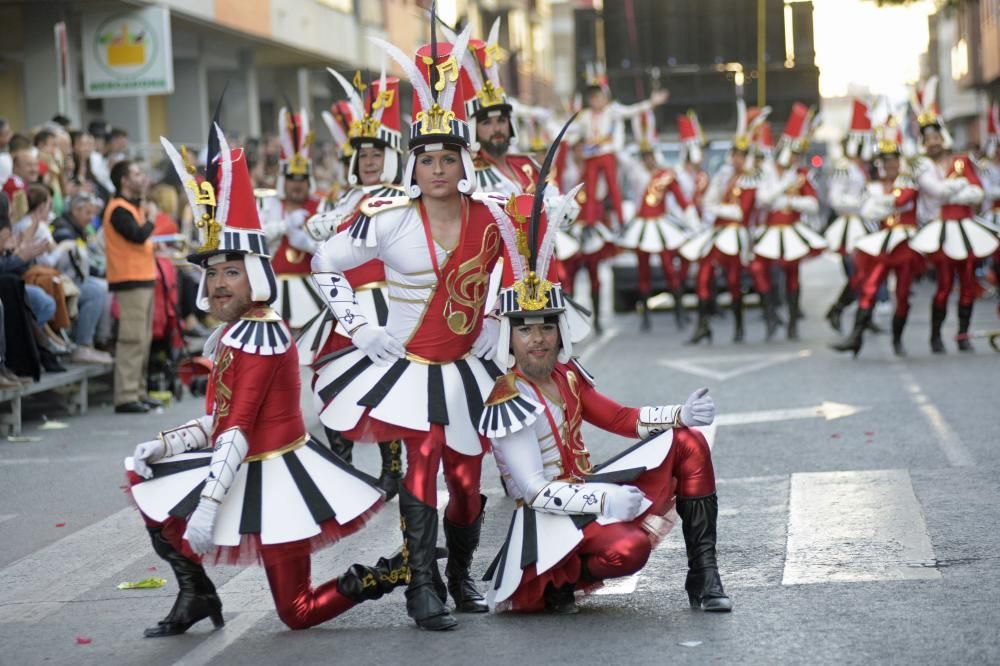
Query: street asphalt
{"points": [[858, 498]]}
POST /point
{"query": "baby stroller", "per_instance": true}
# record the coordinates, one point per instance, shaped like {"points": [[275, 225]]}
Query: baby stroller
{"points": [[167, 348]]}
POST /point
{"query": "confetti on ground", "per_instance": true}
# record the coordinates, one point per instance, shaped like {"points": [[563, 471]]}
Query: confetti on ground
{"points": [[689, 643], [53, 425], [869, 433], [83, 640], [835, 436], [60, 524], [144, 584], [151, 569]]}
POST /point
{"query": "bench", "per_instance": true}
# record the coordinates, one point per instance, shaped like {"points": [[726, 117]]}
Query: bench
{"points": [[76, 376]]}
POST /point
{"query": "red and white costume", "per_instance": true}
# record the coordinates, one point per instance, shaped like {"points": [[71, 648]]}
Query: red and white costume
{"points": [[847, 185], [272, 494]]}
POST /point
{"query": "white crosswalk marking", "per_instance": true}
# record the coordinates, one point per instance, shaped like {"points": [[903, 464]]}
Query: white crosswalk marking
{"points": [[856, 526], [43, 582], [7, 516]]}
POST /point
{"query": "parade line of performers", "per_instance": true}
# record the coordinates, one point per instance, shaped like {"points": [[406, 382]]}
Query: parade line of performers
{"points": [[431, 298]]}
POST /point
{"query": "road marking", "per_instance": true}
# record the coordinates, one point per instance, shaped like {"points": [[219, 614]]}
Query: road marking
{"points": [[598, 344], [856, 526], [707, 366], [827, 410], [7, 516], [212, 647], [709, 433], [956, 452], [42, 460], [624, 585], [41, 583]]}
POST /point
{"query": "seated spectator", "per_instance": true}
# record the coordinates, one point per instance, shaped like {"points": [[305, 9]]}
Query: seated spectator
{"points": [[20, 352], [72, 233], [83, 177], [24, 172]]}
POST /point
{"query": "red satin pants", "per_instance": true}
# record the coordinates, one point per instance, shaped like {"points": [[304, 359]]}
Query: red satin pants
{"points": [[731, 264], [462, 475], [298, 603], [946, 269], [674, 277], [594, 168], [760, 271], [903, 261]]}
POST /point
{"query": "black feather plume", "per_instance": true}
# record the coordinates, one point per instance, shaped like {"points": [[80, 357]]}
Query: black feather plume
{"points": [[432, 74], [212, 151], [536, 207]]}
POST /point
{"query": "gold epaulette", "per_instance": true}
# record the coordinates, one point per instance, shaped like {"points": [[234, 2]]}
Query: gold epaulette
{"points": [[376, 205], [504, 389]]}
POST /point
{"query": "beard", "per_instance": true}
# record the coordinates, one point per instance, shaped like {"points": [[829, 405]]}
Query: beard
{"points": [[232, 310], [497, 145], [537, 368]]}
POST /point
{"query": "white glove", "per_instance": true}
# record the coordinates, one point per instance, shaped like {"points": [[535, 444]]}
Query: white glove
{"points": [[200, 526], [298, 237], [622, 503], [698, 409], [781, 202], [145, 453], [956, 185], [380, 347], [485, 346]]}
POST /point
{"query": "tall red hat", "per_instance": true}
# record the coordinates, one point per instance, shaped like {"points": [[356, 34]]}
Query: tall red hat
{"points": [[296, 138], [438, 114], [928, 114], [747, 124], [338, 120], [225, 213], [795, 136], [692, 138], [992, 129], [644, 129], [860, 136]]}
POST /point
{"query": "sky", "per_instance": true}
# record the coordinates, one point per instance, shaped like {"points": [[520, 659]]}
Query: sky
{"points": [[859, 43]]}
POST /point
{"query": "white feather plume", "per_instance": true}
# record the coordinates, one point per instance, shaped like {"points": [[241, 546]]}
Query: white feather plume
{"points": [[460, 47], [224, 194], [741, 117], [353, 98], [492, 71], [509, 235], [285, 134], [335, 129], [420, 85], [548, 247], [178, 163]]}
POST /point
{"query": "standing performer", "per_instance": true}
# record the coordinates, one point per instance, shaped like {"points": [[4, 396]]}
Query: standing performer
{"points": [[419, 378], [576, 524], [374, 171], [847, 189], [892, 202], [600, 130], [338, 121], [284, 217], [691, 176], [784, 239], [653, 231], [950, 195], [729, 205], [990, 175], [246, 482]]}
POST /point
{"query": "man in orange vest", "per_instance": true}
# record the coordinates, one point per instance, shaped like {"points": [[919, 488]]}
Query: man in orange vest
{"points": [[131, 276]]}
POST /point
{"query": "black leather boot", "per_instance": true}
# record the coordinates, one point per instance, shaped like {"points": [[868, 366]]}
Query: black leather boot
{"points": [[342, 447], [834, 314], [462, 543], [595, 300], [196, 599], [680, 314], [737, 319], [392, 468], [769, 301], [855, 339], [794, 314], [560, 600], [363, 583], [937, 319], [964, 318], [699, 516], [423, 601], [642, 307], [898, 323], [702, 331]]}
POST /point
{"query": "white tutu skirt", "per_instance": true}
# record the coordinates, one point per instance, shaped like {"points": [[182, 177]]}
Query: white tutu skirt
{"points": [[314, 336], [298, 301], [788, 242], [652, 235], [956, 239], [731, 239], [844, 232]]}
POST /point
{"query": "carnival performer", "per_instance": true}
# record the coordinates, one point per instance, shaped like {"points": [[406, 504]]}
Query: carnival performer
{"points": [[653, 231], [891, 201], [784, 240], [374, 171], [847, 190], [498, 169], [950, 237], [600, 134], [578, 524], [339, 120], [420, 378], [692, 176], [245, 482], [728, 205], [990, 175], [284, 216]]}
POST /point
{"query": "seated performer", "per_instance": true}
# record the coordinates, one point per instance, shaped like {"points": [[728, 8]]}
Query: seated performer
{"points": [[577, 524], [246, 482]]}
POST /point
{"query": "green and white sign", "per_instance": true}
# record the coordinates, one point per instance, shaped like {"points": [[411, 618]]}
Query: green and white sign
{"points": [[127, 53]]}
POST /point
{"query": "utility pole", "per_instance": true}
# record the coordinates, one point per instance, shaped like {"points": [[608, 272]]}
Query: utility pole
{"points": [[761, 42]]}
